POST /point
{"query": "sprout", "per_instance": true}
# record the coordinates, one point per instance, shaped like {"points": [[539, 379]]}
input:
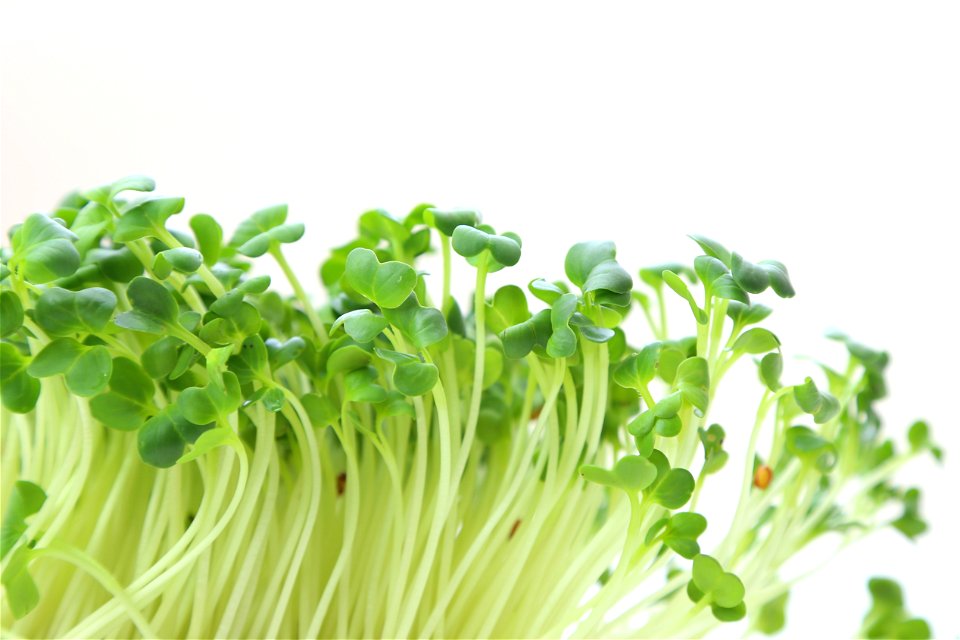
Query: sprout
{"points": [[188, 452]]}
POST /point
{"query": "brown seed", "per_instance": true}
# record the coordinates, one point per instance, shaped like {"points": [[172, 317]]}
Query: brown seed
{"points": [[513, 529], [341, 483], [762, 477]]}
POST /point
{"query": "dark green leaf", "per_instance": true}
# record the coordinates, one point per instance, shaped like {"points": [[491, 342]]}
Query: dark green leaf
{"points": [[60, 312], [43, 250], [18, 390], [11, 313]]}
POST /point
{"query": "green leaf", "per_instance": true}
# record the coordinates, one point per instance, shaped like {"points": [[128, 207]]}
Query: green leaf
{"points": [[129, 401], [471, 241], [888, 616], [714, 456], [61, 312], [118, 265], [668, 427], [273, 399], [713, 249], [26, 499], [636, 371], [725, 287], [756, 341], [361, 386], [728, 592], [680, 288], [771, 368], [361, 324], [154, 307], [146, 219], [446, 222], [779, 279], [675, 489], [707, 573], [910, 523], [212, 403], [415, 379], [181, 259], [773, 615], [43, 250], [321, 409], [209, 237], [630, 473], [87, 369], [725, 590], [423, 326], [919, 435], [346, 357], [105, 194], [593, 267], [563, 341], [11, 313], [744, 314], [729, 614], [260, 222], [693, 382], [160, 358], [811, 448], [251, 361], [549, 292], [750, 277], [21, 591], [159, 441], [707, 268], [521, 339], [387, 284], [509, 307], [653, 275], [820, 404], [18, 390], [681, 533], [210, 440]]}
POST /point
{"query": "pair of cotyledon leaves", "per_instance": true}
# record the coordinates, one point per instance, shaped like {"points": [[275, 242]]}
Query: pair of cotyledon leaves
{"points": [[651, 474], [723, 588]]}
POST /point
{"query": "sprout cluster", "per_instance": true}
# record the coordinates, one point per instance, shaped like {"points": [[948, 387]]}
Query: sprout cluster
{"points": [[188, 453]]}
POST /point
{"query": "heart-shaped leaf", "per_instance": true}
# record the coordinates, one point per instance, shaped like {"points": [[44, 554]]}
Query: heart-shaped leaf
{"points": [[61, 312], [43, 250], [181, 259], [593, 267], [146, 219], [521, 339], [386, 284], [360, 324], [87, 369], [423, 326], [129, 401], [471, 241], [263, 230], [630, 473], [154, 307], [446, 222], [755, 341]]}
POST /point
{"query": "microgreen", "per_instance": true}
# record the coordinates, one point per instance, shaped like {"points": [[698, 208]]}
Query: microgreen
{"points": [[190, 451]]}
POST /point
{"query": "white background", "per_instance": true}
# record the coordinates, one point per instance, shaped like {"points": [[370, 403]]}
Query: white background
{"points": [[822, 134]]}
